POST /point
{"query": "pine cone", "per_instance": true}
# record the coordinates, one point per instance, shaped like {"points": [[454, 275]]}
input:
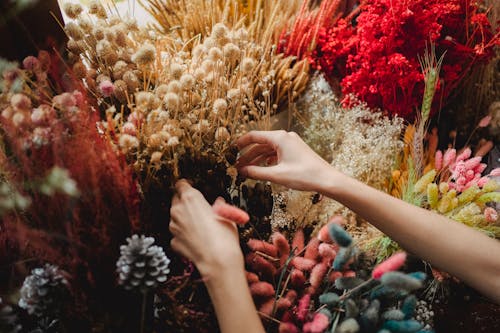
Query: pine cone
{"points": [[9, 321], [44, 292], [142, 265]]}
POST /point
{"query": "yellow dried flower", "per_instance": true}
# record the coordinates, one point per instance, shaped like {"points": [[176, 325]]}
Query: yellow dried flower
{"points": [[469, 194], [432, 195], [489, 197], [421, 184], [490, 186], [443, 187]]}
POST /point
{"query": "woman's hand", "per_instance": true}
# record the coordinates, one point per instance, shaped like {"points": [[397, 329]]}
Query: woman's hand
{"points": [[199, 236], [292, 163]]}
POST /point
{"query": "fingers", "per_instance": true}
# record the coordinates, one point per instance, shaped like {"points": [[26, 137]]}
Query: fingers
{"points": [[263, 137], [253, 152], [258, 172]]}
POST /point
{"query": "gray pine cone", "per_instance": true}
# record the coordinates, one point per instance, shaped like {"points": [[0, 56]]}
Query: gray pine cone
{"points": [[425, 314], [44, 291], [9, 321], [142, 265]]}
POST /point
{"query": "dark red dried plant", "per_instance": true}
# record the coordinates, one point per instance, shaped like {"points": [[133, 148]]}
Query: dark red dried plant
{"points": [[81, 235]]}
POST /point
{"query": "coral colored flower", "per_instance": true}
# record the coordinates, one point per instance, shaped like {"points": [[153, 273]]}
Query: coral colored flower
{"points": [[318, 325], [485, 121], [490, 214], [393, 263]]}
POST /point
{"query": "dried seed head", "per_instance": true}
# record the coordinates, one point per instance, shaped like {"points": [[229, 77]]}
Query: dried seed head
{"points": [[155, 141], [129, 128], [176, 71], [161, 90], [144, 99], [222, 134], [76, 46], [187, 81], [174, 87], [173, 141], [208, 65], [200, 74], [231, 52], [131, 24], [119, 69], [145, 55], [20, 102], [73, 10], [247, 65], [85, 24], [97, 9], [98, 33], [233, 93], [215, 54], [106, 88], [121, 91], [73, 31], [172, 101], [156, 157], [131, 80], [219, 31], [220, 106], [241, 34], [127, 143], [198, 51]]}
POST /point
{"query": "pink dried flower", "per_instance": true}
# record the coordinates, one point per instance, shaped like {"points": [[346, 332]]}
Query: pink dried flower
{"points": [[324, 234], [281, 243], [20, 102], [317, 275], [303, 307], [230, 212], [464, 155], [283, 304], [318, 325], [291, 295], [298, 241], [31, 63], [490, 214], [267, 307], [312, 249], [264, 247], [485, 121], [303, 264], [262, 289], [472, 162], [438, 160], [349, 274], [482, 181], [297, 278], [64, 101], [288, 328], [107, 88], [260, 265], [480, 168], [393, 263], [326, 251], [251, 277], [449, 157], [334, 276]]}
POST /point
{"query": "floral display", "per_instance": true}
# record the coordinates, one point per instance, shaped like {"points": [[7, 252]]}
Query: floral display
{"points": [[95, 135]]}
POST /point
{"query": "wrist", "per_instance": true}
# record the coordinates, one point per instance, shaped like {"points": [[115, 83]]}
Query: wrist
{"points": [[332, 183], [223, 265]]}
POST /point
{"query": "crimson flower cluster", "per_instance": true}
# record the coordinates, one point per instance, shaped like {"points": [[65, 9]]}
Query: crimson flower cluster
{"points": [[375, 56]]}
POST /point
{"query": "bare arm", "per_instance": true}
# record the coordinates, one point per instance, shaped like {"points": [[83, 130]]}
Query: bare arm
{"points": [[451, 246], [214, 248]]}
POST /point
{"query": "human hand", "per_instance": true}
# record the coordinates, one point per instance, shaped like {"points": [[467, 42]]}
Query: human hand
{"points": [[212, 245], [292, 163]]}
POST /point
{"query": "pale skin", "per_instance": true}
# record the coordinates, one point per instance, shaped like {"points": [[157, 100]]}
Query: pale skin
{"points": [[283, 158]]}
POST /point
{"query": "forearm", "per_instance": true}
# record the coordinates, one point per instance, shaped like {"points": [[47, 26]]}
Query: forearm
{"points": [[228, 289], [451, 246]]}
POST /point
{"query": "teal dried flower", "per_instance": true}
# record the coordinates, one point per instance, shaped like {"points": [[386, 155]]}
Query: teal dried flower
{"points": [[142, 265], [348, 282], [339, 235], [351, 309], [329, 299], [409, 305], [342, 257], [348, 326], [393, 314], [369, 317], [406, 326], [44, 292], [400, 281], [418, 275]]}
